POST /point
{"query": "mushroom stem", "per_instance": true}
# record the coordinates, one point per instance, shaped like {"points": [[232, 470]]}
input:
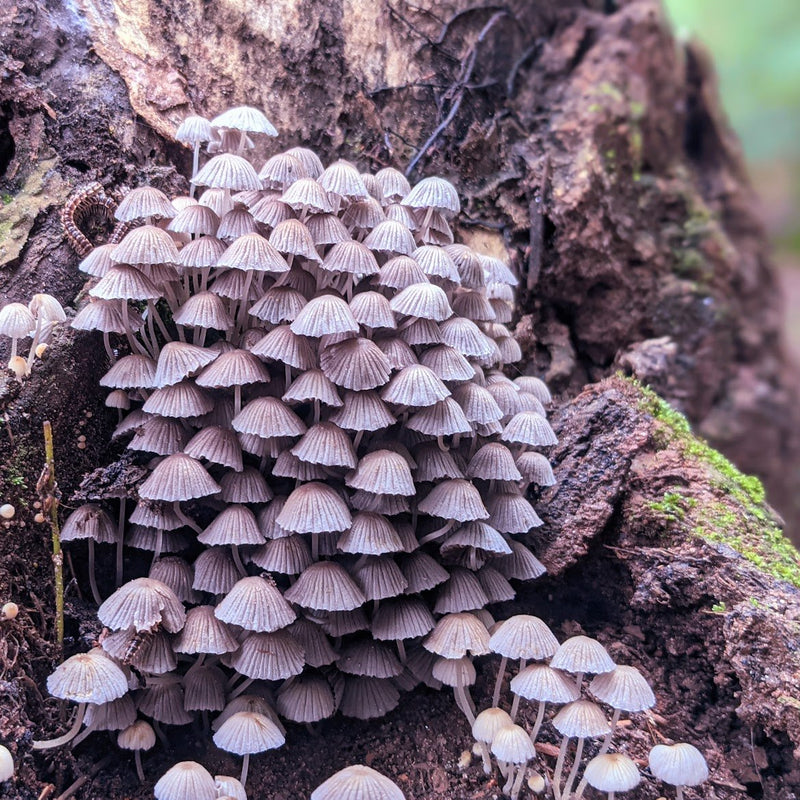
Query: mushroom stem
{"points": [[607, 741], [82, 735], [679, 793], [538, 722], [195, 165], [464, 703], [515, 701], [438, 532], [237, 559], [510, 780], [107, 345], [486, 756], [562, 752], [245, 765], [120, 539], [68, 736], [499, 682], [515, 789], [92, 576], [137, 757], [574, 771], [401, 650]]}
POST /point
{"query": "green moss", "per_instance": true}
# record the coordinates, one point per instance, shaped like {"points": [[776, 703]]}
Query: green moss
{"points": [[719, 608], [741, 520], [672, 506], [6, 198]]}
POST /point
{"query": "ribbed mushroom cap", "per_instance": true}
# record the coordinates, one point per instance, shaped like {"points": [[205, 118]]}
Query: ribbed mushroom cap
{"points": [[497, 271], [144, 201], [437, 265], [625, 688], [314, 508], [201, 253], [513, 745], [313, 385], [444, 418], [175, 572], [252, 251], [422, 572], [289, 555], [255, 604], [234, 368], [461, 592], [372, 310], [542, 682], [187, 780], [142, 604], [478, 403], [581, 719], [160, 435], [400, 273], [131, 372], [326, 444], [466, 337], [306, 194], [454, 671], [98, 262], [496, 587], [582, 654], [435, 193], [180, 360], [493, 462], [115, 715], [106, 316], [363, 411], [612, 772], [422, 301], [286, 347], [87, 678], [488, 722], [524, 636], [16, 321], [154, 514], [125, 283], [535, 386], [379, 577], [204, 632], [204, 689], [370, 658], [324, 315], [291, 237], [470, 268], [390, 236], [447, 363], [416, 386], [315, 644], [402, 618], [269, 656], [343, 179], [370, 534], [248, 732], [288, 465], [195, 219], [678, 764], [193, 129], [456, 500], [181, 400], [89, 521], [393, 183], [357, 783], [247, 486], [357, 364], [457, 634], [236, 524], [367, 698], [145, 245], [217, 445], [178, 477], [228, 171], [229, 788], [306, 698], [536, 468], [510, 512], [281, 171], [528, 427], [137, 736], [309, 159], [363, 215], [480, 536], [268, 417], [383, 472], [215, 571], [278, 304], [433, 464], [521, 565], [325, 586], [244, 118], [420, 332]]}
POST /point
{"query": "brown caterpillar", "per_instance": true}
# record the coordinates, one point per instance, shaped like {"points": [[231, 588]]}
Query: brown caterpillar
{"points": [[87, 200]]}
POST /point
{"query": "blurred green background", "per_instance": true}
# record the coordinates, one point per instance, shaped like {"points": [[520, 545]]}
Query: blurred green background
{"points": [[756, 48]]}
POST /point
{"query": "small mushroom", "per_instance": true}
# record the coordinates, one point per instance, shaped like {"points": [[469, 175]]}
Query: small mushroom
{"points": [[359, 782], [187, 780], [6, 764], [679, 765], [247, 732], [137, 737], [610, 772], [513, 746]]}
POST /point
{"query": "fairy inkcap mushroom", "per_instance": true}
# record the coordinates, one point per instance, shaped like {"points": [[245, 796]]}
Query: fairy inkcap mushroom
{"points": [[486, 726], [512, 745], [245, 733], [358, 783], [611, 773], [137, 737], [679, 765], [187, 780]]}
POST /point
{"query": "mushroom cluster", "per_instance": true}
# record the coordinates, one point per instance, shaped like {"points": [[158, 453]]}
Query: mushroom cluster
{"points": [[313, 372]]}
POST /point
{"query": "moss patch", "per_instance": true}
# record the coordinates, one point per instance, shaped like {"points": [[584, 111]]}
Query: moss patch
{"points": [[739, 517]]}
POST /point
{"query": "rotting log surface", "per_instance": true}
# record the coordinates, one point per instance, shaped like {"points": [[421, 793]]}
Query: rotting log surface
{"points": [[591, 146]]}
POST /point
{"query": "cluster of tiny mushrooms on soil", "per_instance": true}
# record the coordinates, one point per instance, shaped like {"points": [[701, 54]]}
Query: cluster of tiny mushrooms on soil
{"points": [[316, 370]]}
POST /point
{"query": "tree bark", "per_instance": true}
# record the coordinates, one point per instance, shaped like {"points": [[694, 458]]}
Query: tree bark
{"points": [[589, 147]]}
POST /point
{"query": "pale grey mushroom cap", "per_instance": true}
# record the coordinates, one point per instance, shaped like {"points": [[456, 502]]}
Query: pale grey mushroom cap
{"points": [[138, 736], [581, 719], [178, 477], [358, 783], [678, 764], [255, 604], [89, 521], [513, 745], [187, 780], [612, 772], [88, 678], [582, 654], [248, 732], [625, 688], [228, 787], [142, 604], [524, 636], [455, 635], [489, 722], [542, 682], [244, 118]]}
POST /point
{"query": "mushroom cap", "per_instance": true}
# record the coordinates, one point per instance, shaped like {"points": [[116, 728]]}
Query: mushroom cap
{"points": [[138, 736], [269, 656], [456, 500], [314, 508], [187, 780], [524, 636], [144, 201], [545, 684], [612, 772], [581, 719], [230, 788], [678, 764], [434, 192], [88, 678], [178, 477], [248, 732], [228, 171], [142, 604], [488, 722], [244, 118], [325, 586], [457, 634], [193, 129], [582, 654], [255, 604], [357, 783], [306, 698], [89, 521], [513, 745], [420, 300], [625, 688], [204, 632]]}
